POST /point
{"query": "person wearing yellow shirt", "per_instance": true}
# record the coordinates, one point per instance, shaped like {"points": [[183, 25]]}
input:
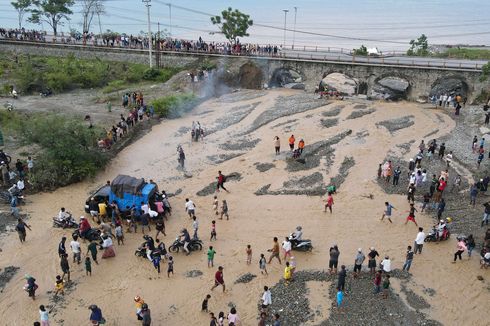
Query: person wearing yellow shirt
{"points": [[287, 273], [102, 210]]}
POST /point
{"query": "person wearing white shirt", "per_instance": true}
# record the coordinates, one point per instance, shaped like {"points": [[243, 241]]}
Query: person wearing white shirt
{"points": [[20, 184], [286, 246], [266, 299], [63, 214], [195, 227], [386, 264], [144, 208], [75, 249], [190, 207], [419, 241]]}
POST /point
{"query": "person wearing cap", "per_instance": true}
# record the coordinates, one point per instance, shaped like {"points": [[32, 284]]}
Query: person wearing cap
{"points": [[360, 257], [96, 315], [386, 264]]}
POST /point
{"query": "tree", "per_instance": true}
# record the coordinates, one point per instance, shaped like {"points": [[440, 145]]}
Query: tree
{"points": [[361, 51], [89, 9], [21, 6], [485, 72], [51, 12], [419, 47], [233, 24]]}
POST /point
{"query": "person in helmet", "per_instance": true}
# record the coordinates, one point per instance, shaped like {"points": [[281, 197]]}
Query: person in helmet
{"points": [[440, 229], [186, 239]]}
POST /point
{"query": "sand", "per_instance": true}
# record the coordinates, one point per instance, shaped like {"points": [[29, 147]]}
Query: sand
{"points": [[459, 297]]}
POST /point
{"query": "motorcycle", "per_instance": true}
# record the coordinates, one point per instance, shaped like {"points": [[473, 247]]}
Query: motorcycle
{"points": [[142, 252], [194, 245], [66, 223], [432, 236], [91, 235], [9, 106], [301, 245]]}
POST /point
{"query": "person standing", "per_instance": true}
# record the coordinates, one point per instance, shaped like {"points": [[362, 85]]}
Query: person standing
{"points": [[419, 241], [386, 264], [181, 157], [291, 142], [96, 315], [442, 149], [329, 203], [275, 251], [190, 207], [408, 259], [43, 315], [92, 248], [277, 145], [263, 265], [286, 247], [486, 213], [221, 182], [473, 194], [75, 249], [341, 279], [211, 253], [334, 259], [360, 257], [372, 259], [386, 286], [266, 299], [301, 146], [195, 227], [21, 229], [224, 210], [218, 279], [145, 315], [377, 282], [65, 267], [387, 212], [396, 176]]}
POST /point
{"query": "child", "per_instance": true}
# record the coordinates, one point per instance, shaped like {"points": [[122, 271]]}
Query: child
{"points": [[263, 264], [88, 266], [287, 273], [213, 230], [211, 254], [155, 259], [214, 321], [340, 298], [59, 286], [292, 262], [170, 266], [224, 210], [249, 254], [204, 306], [215, 205], [119, 235], [43, 314], [329, 203], [386, 286]]}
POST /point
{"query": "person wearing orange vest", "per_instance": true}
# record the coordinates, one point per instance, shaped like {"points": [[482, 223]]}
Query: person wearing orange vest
{"points": [[291, 142], [301, 145]]}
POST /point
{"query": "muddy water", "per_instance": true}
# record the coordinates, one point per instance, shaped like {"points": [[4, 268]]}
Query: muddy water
{"points": [[253, 220]]}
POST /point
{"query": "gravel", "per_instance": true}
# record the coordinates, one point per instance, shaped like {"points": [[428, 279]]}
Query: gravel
{"points": [[394, 125], [263, 167], [313, 153], [346, 165], [433, 132], [360, 113], [173, 194], [211, 188], [241, 95], [405, 147], [6, 275], [285, 123], [220, 158], [333, 112], [233, 116], [182, 131], [286, 106], [245, 278], [311, 185], [240, 145], [193, 273], [361, 306], [414, 300], [327, 123], [360, 107]]}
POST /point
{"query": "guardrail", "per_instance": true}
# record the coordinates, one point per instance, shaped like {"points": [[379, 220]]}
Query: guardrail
{"points": [[327, 57]]}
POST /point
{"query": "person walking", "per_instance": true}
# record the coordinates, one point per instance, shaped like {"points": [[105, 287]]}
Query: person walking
{"points": [[411, 215], [274, 251], [195, 227], [218, 279], [387, 212], [341, 279], [221, 182], [286, 247], [190, 207], [419, 241], [408, 259], [92, 248], [224, 210], [145, 315], [486, 213], [75, 249], [460, 248], [360, 257], [96, 315], [372, 259], [329, 203], [43, 315], [65, 267], [266, 299], [263, 265], [21, 229], [291, 142], [440, 208]]}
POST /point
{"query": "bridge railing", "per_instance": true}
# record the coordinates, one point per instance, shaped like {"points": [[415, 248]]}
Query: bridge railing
{"points": [[415, 62]]}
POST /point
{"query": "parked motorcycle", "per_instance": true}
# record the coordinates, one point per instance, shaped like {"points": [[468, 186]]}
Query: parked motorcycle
{"points": [[432, 236], [91, 235], [194, 245]]}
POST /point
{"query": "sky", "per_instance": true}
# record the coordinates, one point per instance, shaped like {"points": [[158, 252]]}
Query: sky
{"points": [[386, 24]]}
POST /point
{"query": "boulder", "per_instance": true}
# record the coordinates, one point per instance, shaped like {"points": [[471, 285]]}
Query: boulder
{"points": [[340, 83], [295, 86], [450, 86], [395, 84], [283, 76], [390, 88]]}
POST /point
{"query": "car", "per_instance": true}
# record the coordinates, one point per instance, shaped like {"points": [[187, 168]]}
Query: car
{"points": [[101, 195]]}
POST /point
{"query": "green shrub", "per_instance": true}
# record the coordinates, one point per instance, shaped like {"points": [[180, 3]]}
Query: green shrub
{"points": [[173, 105], [115, 85]]}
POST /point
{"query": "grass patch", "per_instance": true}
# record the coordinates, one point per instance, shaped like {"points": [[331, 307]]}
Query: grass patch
{"points": [[172, 106], [465, 53], [32, 74]]}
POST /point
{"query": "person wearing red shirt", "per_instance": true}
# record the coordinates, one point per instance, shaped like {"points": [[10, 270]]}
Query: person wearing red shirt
{"points": [[218, 279], [221, 181], [84, 226]]}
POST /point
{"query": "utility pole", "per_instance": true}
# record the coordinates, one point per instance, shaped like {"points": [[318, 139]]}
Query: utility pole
{"points": [[157, 46], [285, 15], [150, 43], [294, 28], [170, 15]]}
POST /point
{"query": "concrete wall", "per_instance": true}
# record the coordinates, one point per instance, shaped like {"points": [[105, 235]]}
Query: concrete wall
{"points": [[421, 79]]}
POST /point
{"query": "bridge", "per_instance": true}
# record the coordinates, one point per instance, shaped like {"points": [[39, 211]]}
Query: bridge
{"points": [[422, 74]]}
